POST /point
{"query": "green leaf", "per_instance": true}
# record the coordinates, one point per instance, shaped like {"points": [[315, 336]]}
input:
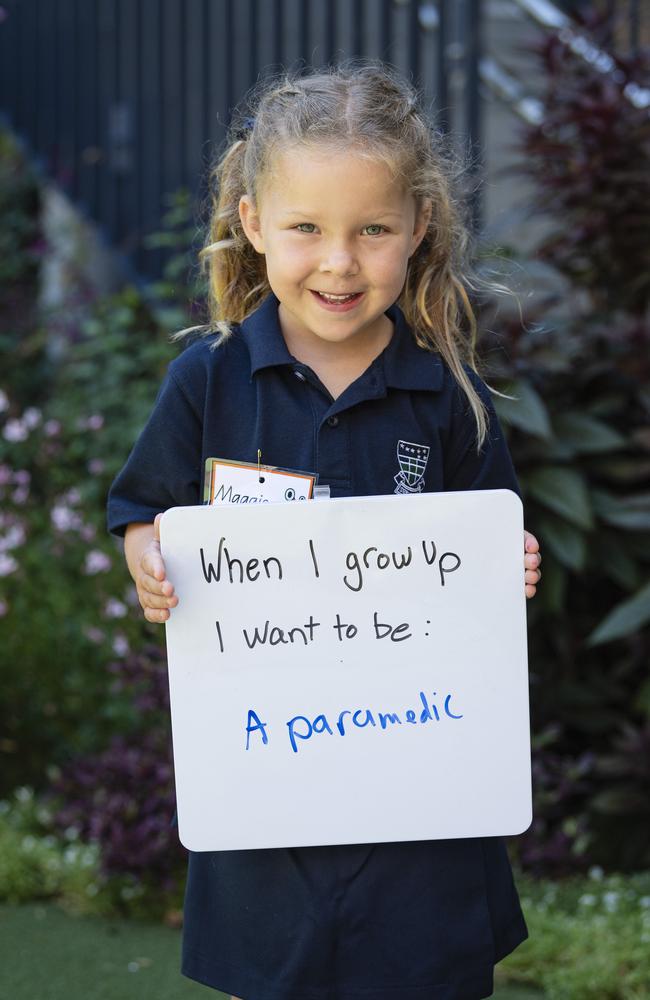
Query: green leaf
{"points": [[567, 543], [642, 699], [622, 801], [615, 560], [563, 491], [585, 434], [552, 592], [627, 471], [631, 512], [526, 411], [626, 618]]}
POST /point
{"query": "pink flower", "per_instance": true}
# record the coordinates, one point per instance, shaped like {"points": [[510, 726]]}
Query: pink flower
{"points": [[15, 430], [51, 428], [5, 475], [94, 422], [31, 417], [88, 532], [96, 466], [120, 645], [96, 562], [64, 518], [22, 477], [20, 495], [14, 538], [7, 564], [94, 634], [114, 608]]}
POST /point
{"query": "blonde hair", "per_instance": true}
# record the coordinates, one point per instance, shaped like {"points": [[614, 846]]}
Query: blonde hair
{"points": [[372, 110]]}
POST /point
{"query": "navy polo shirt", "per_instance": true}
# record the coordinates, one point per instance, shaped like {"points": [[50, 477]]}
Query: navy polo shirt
{"points": [[424, 920], [249, 393]]}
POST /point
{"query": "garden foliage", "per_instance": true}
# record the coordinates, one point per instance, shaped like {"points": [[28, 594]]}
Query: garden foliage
{"points": [[83, 682], [579, 372]]}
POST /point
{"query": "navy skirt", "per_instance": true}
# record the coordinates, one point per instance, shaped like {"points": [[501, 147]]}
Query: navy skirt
{"points": [[423, 920]]}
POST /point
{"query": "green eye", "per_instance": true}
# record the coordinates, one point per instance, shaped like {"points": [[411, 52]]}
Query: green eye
{"points": [[306, 227], [374, 230]]}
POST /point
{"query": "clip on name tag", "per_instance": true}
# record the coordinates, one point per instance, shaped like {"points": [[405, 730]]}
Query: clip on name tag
{"points": [[229, 482]]}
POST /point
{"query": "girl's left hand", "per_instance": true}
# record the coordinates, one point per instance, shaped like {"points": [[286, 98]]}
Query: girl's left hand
{"points": [[532, 560]]}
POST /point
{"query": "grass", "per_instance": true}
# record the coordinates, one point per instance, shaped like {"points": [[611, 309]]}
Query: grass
{"points": [[46, 954]]}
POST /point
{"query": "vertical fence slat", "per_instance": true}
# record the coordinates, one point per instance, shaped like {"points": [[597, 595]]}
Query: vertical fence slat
{"points": [[87, 164], [194, 93], [473, 36], [442, 70], [8, 68], [220, 31], [150, 177], [278, 32], [386, 30], [125, 99], [128, 163], [107, 64]]}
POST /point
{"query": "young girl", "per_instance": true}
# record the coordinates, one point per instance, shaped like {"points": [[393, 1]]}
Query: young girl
{"points": [[339, 300]]}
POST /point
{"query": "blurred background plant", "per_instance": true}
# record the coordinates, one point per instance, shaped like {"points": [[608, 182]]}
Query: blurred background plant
{"points": [[579, 429], [83, 699]]}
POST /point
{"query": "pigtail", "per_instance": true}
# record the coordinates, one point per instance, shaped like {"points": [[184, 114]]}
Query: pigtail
{"points": [[435, 301], [237, 273]]}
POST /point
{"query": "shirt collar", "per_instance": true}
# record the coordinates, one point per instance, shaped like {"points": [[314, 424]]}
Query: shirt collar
{"points": [[405, 365], [263, 336]]}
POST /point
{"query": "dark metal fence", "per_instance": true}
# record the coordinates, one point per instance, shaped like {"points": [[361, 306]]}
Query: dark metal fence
{"points": [[123, 101]]}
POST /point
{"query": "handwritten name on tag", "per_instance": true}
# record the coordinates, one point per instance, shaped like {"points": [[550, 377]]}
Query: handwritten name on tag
{"points": [[228, 482]]}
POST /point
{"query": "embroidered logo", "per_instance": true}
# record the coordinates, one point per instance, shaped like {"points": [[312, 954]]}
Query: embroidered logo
{"points": [[412, 460]]}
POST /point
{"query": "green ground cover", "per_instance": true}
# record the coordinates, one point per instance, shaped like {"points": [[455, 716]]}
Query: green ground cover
{"points": [[46, 954]]}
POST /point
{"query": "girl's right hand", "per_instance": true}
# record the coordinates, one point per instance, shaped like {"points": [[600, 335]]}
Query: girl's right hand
{"points": [[155, 591]]}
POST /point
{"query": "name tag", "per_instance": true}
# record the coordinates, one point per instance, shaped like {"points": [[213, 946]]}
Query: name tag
{"points": [[228, 482]]}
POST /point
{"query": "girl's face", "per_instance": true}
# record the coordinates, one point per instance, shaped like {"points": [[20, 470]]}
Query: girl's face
{"points": [[337, 231]]}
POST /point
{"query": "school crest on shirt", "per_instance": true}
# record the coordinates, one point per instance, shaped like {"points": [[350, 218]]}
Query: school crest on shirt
{"points": [[412, 460]]}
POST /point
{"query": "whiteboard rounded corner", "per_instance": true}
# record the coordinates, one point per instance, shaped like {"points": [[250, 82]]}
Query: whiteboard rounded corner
{"points": [[189, 842], [516, 500], [167, 518], [524, 822]]}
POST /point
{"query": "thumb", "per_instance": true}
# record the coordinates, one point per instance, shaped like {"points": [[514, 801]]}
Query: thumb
{"points": [[156, 527]]}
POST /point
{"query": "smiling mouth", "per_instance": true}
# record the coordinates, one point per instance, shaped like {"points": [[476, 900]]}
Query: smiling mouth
{"points": [[332, 299]]}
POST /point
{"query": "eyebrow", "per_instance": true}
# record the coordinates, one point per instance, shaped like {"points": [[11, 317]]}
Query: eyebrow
{"points": [[387, 214]]}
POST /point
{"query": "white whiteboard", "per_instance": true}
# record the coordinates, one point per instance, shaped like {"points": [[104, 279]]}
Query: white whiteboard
{"points": [[307, 732]]}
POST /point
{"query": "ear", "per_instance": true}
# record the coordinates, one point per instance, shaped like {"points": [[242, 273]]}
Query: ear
{"points": [[422, 220], [251, 222]]}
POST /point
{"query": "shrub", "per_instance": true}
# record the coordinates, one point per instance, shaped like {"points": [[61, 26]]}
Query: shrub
{"points": [[36, 865], [579, 369], [122, 798], [588, 940]]}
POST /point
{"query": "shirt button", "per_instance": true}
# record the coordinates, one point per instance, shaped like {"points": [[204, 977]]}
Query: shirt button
{"points": [[300, 376], [333, 421]]}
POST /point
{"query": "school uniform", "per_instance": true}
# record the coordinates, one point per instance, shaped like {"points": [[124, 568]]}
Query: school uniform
{"points": [[423, 920]]}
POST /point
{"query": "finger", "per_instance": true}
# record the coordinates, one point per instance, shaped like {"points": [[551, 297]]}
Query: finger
{"points": [[156, 527], [156, 616], [154, 586], [530, 591], [153, 563], [532, 576], [532, 560], [530, 542], [154, 601]]}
